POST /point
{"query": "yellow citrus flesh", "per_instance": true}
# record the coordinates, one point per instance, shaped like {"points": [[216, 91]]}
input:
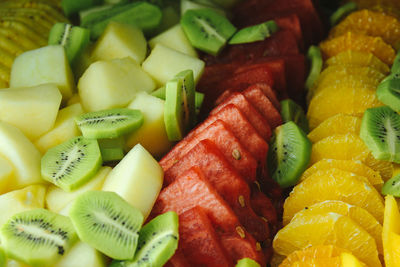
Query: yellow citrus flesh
{"points": [[331, 262], [385, 168], [391, 233], [327, 229], [349, 260]]}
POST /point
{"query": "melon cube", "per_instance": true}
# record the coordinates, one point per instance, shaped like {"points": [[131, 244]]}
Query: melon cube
{"points": [[137, 178], [22, 154], [6, 174], [112, 84], [32, 109], [82, 255], [119, 41], [48, 64], [152, 135], [164, 63], [64, 128], [176, 39]]}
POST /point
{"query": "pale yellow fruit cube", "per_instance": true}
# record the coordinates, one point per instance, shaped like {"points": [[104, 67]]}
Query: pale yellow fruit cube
{"points": [[82, 255], [48, 64], [6, 174], [119, 41], [112, 84]]}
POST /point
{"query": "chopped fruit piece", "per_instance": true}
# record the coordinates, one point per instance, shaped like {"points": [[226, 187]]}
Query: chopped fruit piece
{"points": [[388, 93], [254, 33], [342, 12], [384, 168], [391, 232], [291, 111], [6, 174], [80, 255], [314, 55]]}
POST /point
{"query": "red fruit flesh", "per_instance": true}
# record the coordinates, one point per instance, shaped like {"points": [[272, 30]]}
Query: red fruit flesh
{"points": [[268, 92]]}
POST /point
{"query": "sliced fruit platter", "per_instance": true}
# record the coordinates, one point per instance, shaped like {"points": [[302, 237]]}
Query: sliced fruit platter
{"points": [[173, 133]]}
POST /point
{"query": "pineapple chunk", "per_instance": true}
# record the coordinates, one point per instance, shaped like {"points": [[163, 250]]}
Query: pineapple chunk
{"points": [[6, 174], [164, 63], [176, 39], [57, 199], [112, 84], [31, 197], [152, 135], [119, 41], [48, 64], [22, 154], [137, 178], [82, 255], [31, 109], [64, 128]]}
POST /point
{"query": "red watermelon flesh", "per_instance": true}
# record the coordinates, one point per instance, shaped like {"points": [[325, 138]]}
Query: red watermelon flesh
{"points": [[177, 260], [254, 117], [239, 249], [227, 182], [268, 92], [198, 240], [263, 206], [241, 128], [219, 133], [264, 106]]}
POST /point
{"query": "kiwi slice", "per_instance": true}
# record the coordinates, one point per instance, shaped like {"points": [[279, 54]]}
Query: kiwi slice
{"points": [[73, 38], [198, 100], [291, 111], [342, 12], [188, 97], [158, 241], [159, 93], [207, 30], [396, 64], [392, 186], [289, 154], [110, 123], [112, 149], [246, 262], [72, 163], [255, 33], [388, 93], [107, 222], [3, 258], [37, 237], [380, 131], [315, 58], [71, 7]]}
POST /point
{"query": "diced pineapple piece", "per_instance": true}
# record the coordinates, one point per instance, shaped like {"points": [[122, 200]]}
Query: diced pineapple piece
{"points": [[82, 255], [152, 135], [64, 128], [176, 39], [119, 41], [164, 63], [31, 109], [112, 84], [22, 154], [137, 178], [31, 197], [57, 199], [48, 64], [6, 174]]}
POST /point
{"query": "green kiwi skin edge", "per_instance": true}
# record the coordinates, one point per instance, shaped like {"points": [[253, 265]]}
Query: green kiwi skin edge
{"points": [[291, 111], [388, 93], [254, 33], [342, 12], [392, 186], [246, 262], [315, 58]]}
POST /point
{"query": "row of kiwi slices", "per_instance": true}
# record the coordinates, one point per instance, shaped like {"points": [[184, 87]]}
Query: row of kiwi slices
{"points": [[101, 219]]}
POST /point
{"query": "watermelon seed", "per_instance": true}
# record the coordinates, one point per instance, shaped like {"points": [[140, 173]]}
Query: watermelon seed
{"points": [[240, 231], [258, 246], [236, 154], [241, 201]]}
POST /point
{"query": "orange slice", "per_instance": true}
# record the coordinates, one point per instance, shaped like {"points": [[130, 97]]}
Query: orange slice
{"points": [[385, 168]]}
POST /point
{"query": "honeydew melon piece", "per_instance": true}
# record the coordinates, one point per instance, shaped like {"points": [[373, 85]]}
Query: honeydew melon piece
{"points": [[57, 199], [22, 154], [33, 110], [6, 174], [82, 255], [73, 100], [164, 63], [48, 64], [30, 197], [137, 178], [64, 128], [112, 84], [176, 39], [152, 135], [119, 41]]}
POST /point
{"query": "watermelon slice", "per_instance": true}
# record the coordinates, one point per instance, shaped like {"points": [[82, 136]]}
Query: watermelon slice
{"points": [[178, 259], [238, 248], [268, 92], [227, 182], [219, 133]]}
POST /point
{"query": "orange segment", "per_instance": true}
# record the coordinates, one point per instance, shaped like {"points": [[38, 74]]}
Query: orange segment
{"points": [[321, 187], [360, 59], [370, 23], [337, 124], [359, 215], [327, 229], [331, 262], [358, 42], [356, 167], [385, 168], [391, 232]]}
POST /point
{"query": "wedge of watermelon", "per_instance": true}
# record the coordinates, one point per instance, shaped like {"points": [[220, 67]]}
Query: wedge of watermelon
{"points": [[226, 181], [238, 248], [268, 92], [219, 133], [178, 259]]}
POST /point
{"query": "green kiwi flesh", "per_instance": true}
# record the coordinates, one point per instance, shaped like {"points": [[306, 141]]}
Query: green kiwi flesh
{"points": [[110, 123], [388, 93], [246, 262], [380, 131], [291, 111], [107, 222], [158, 241], [289, 154], [3, 258], [207, 30], [112, 149], [342, 12], [37, 237], [73, 38], [71, 7], [392, 186], [396, 64], [254, 33], [315, 58], [72, 163], [173, 110]]}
